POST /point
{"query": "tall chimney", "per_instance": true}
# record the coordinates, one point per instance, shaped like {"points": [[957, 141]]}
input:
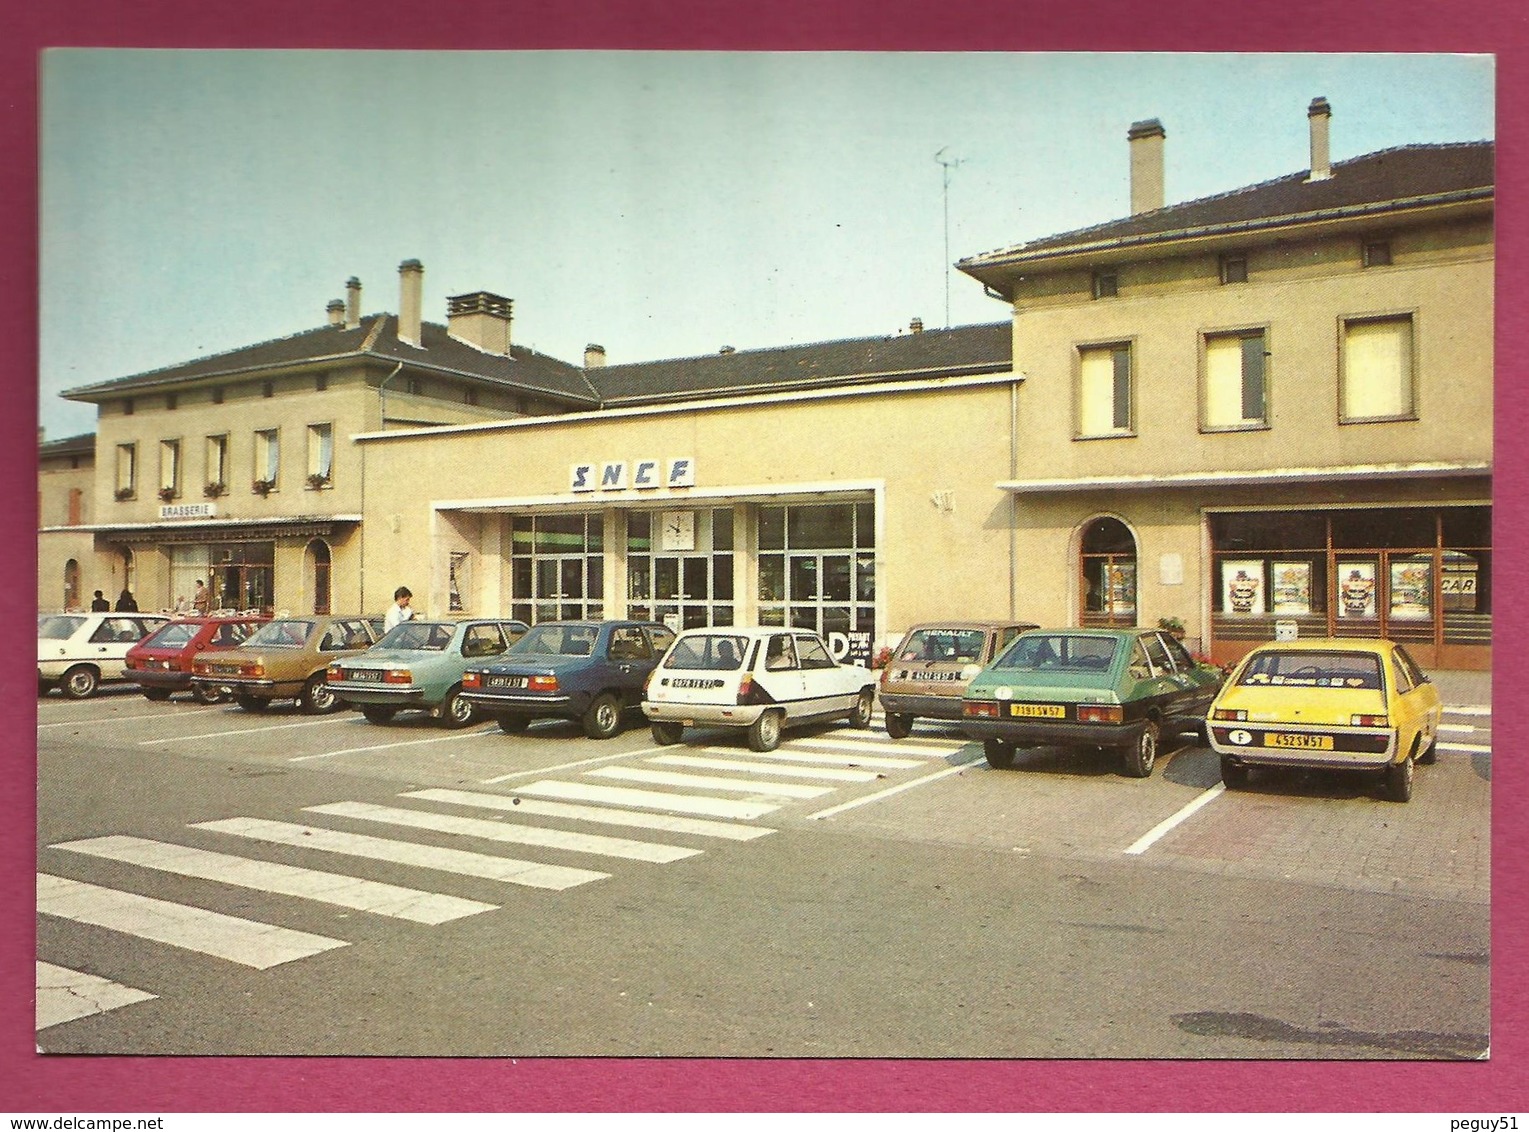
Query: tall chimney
{"points": [[481, 320], [336, 311], [1146, 140], [411, 278], [916, 326], [1319, 115], [594, 356], [352, 303]]}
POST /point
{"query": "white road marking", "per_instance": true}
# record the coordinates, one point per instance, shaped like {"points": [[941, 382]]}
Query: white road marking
{"points": [[393, 746], [1467, 709], [498, 831], [98, 720], [571, 766], [668, 823], [195, 929], [823, 774], [1162, 828], [649, 799], [706, 782], [906, 747], [1459, 728], [794, 756], [64, 995], [1466, 748], [284, 880], [898, 789], [506, 869], [231, 734]]}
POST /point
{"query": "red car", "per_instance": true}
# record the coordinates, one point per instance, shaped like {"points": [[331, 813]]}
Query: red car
{"points": [[161, 662]]}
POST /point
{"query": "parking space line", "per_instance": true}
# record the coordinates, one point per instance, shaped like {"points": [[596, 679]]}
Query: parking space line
{"points": [[199, 709], [391, 746], [1157, 832], [1466, 748], [780, 755], [823, 774], [880, 794], [229, 734], [650, 799], [64, 995], [709, 782]]}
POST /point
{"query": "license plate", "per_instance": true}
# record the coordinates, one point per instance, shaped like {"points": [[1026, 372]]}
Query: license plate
{"points": [[506, 681], [363, 675], [1039, 711], [1300, 742], [226, 669]]}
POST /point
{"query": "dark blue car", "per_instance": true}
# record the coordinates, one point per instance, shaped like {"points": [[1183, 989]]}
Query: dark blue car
{"points": [[590, 671]]}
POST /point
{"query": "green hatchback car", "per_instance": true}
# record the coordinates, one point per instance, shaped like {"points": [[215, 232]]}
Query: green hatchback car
{"points": [[419, 665], [1116, 688]]}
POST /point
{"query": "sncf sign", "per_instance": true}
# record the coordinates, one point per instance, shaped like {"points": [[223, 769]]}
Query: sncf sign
{"points": [[643, 475]]}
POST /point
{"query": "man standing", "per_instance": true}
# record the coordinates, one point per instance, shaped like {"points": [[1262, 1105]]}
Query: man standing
{"points": [[100, 605], [399, 612], [201, 601]]}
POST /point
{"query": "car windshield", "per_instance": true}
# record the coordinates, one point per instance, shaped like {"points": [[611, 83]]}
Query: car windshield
{"points": [[558, 640], [281, 635], [58, 628], [1312, 669], [431, 635], [1059, 652], [175, 635], [961, 645], [711, 652]]}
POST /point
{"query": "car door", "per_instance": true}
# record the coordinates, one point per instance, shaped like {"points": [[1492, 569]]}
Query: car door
{"points": [[109, 644], [630, 655], [780, 675], [1198, 683], [1414, 708], [824, 686]]}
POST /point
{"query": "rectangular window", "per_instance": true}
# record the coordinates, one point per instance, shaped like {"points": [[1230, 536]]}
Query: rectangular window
{"points": [[127, 469], [267, 455], [217, 460], [1377, 377], [1104, 391], [1235, 376], [321, 452], [1234, 268], [1106, 284], [1377, 253], [170, 466]]}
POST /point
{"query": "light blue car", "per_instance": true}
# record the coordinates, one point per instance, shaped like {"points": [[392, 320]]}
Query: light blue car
{"points": [[419, 665]]}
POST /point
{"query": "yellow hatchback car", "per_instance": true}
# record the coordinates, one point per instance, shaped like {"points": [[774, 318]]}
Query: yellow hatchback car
{"points": [[1329, 704]]}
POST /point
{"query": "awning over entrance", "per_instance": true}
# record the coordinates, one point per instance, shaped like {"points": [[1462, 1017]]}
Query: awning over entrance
{"points": [[1262, 477], [225, 530]]}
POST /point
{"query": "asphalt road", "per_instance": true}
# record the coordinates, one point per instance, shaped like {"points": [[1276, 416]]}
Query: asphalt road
{"points": [[855, 896]]}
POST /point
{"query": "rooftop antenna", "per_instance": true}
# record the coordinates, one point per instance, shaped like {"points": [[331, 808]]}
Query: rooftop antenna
{"points": [[946, 164]]}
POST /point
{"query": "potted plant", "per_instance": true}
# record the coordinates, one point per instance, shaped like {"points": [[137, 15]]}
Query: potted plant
{"points": [[124, 494], [317, 481], [166, 494], [263, 487], [1173, 625], [214, 490]]}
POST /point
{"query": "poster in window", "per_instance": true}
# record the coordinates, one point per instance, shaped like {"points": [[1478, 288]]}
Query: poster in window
{"points": [[1242, 588], [1356, 589], [1292, 588], [1412, 589], [1121, 581]]}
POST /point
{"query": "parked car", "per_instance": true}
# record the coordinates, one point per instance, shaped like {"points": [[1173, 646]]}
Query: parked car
{"points": [[419, 665], [161, 662], [933, 664], [1120, 688], [760, 679], [590, 671], [1328, 705], [80, 651], [284, 660]]}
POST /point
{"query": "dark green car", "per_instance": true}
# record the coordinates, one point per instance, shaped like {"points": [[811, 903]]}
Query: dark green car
{"points": [[1118, 688]]}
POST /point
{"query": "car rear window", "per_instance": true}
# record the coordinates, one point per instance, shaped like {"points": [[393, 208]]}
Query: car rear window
{"points": [[955, 645], [708, 652], [558, 640], [1312, 670], [58, 628], [1060, 652], [431, 635], [281, 635], [176, 635]]}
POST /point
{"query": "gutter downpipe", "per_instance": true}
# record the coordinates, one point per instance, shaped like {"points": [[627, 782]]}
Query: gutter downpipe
{"points": [[1013, 498], [382, 409]]}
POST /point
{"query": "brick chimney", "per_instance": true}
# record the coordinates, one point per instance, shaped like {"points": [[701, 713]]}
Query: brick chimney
{"points": [[336, 311], [411, 281], [352, 303], [1146, 140], [594, 356], [1318, 116], [481, 320], [916, 326]]}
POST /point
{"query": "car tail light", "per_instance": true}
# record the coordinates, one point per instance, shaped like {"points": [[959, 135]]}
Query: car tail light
{"points": [[745, 688], [1101, 713], [1369, 721], [254, 670], [472, 679], [542, 684], [1229, 715], [398, 676], [979, 709], [132, 662], [335, 673]]}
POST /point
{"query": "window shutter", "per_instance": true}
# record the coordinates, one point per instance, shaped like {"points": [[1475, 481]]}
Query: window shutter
{"points": [[1253, 378], [1122, 388]]}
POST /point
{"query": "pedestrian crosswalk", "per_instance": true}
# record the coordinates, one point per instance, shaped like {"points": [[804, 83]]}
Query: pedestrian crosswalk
{"points": [[658, 808]]}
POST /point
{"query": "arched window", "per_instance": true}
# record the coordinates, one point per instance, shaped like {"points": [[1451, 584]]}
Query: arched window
{"points": [[318, 573], [1107, 565]]}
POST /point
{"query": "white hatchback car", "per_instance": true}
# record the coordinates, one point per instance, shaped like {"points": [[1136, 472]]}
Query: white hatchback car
{"points": [[77, 651], [761, 679]]}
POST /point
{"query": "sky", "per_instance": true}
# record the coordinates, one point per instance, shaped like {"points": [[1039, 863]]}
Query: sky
{"points": [[660, 204]]}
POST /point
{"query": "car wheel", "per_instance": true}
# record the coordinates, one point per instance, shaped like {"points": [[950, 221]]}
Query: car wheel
{"points": [[1140, 755], [43, 687], [80, 682], [1233, 774], [861, 715], [158, 695], [1000, 755], [252, 703], [514, 724], [375, 714], [602, 719], [1399, 780], [764, 732], [667, 734], [207, 693], [455, 711], [899, 726], [317, 697], [1430, 753]]}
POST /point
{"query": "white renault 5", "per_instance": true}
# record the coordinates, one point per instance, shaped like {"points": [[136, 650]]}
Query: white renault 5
{"points": [[761, 679]]}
